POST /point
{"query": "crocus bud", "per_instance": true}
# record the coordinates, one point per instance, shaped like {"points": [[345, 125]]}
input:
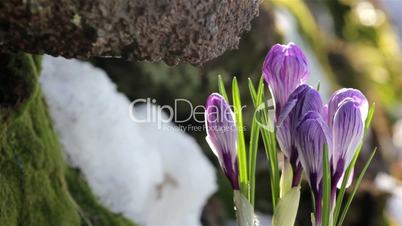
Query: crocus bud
{"points": [[347, 111], [303, 100], [285, 68], [347, 94], [310, 140], [222, 136]]}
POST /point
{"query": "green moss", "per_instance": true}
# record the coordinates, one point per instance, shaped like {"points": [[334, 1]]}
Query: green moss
{"points": [[36, 186], [92, 213]]}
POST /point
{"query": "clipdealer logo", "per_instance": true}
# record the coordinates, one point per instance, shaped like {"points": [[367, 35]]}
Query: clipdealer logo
{"points": [[167, 117]]}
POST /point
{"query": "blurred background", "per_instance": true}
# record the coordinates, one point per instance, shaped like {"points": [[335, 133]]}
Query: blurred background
{"points": [[349, 43]]}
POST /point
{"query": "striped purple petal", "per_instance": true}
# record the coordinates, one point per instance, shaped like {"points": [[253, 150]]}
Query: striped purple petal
{"points": [[285, 68], [338, 97], [346, 113], [347, 132], [222, 135], [303, 100], [310, 140]]}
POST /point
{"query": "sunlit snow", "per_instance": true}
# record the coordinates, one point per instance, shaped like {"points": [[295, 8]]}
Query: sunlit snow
{"points": [[152, 175]]}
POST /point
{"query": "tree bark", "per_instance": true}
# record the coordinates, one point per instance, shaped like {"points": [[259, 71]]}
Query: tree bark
{"points": [[194, 31]]}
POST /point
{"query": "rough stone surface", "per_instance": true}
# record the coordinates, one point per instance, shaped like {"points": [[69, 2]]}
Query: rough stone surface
{"points": [[194, 31]]}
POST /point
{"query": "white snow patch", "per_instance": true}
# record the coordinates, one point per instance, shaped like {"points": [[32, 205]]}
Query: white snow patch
{"points": [[152, 175]]}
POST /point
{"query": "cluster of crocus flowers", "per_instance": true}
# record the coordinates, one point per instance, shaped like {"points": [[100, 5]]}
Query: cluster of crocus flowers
{"points": [[306, 129], [340, 126], [305, 126]]}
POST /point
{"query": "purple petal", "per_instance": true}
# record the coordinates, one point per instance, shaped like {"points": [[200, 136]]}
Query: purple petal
{"points": [[285, 68], [340, 96], [286, 111], [222, 135], [308, 99], [324, 112], [304, 99], [310, 141], [285, 138], [347, 132]]}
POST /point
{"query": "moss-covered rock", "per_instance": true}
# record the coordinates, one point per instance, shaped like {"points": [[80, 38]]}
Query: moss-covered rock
{"points": [[37, 188]]}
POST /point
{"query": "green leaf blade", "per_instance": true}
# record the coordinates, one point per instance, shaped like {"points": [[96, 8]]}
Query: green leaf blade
{"points": [[253, 93], [326, 203], [358, 182], [254, 136], [286, 210], [222, 90], [369, 117], [241, 146]]}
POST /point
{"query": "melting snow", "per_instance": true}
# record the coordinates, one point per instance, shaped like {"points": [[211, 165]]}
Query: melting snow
{"points": [[152, 175]]}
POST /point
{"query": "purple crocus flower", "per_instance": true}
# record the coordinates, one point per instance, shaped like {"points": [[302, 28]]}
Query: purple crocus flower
{"points": [[303, 100], [340, 125], [222, 136], [285, 68], [346, 112], [310, 140]]}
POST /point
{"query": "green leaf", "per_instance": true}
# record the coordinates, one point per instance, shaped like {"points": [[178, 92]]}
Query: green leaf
{"points": [[369, 116], [260, 91], [286, 180], [252, 92], [341, 192], [241, 146], [256, 96], [268, 146], [255, 133], [222, 89], [254, 137], [244, 210], [359, 180], [286, 210], [326, 202], [269, 138]]}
